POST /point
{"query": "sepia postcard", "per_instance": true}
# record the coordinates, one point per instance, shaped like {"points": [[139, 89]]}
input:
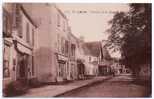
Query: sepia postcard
{"points": [[101, 50]]}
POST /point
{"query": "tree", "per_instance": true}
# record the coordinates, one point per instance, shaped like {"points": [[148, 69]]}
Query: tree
{"points": [[131, 33]]}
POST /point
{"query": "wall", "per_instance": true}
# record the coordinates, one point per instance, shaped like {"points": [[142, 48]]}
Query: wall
{"points": [[45, 15]]}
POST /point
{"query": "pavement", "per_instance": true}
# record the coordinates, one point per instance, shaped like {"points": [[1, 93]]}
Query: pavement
{"points": [[58, 90]]}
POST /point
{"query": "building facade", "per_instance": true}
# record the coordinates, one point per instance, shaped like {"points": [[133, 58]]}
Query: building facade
{"points": [[38, 44], [91, 65], [55, 48], [81, 69], [18, 33], [91, 58], [72, 55]]}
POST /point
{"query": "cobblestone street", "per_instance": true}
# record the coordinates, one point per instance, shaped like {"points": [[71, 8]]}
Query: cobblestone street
{"points": [[120, 86]]}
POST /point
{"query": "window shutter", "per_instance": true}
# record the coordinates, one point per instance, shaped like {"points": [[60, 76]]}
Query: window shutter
{"points": [[4, 23], [7, 24], [58, 20], [19, 21], [33, 37], [27, 33]]}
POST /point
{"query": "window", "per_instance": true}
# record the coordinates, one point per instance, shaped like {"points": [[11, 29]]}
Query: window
{"points": [[89, 59], [62, 45], [33, 65], [6, 23], [6, 59], [33, 37], [64, 26], [66, 47], [58, 41], [18, 20], [72, 49], [58, 20], [27, 33]]}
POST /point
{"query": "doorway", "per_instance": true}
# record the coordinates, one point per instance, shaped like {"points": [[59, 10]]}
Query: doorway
{"points": [[22, 67]]}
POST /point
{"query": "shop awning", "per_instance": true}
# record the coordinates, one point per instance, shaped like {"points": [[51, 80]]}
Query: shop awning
{"points": [[22, 48], [62, 57]]}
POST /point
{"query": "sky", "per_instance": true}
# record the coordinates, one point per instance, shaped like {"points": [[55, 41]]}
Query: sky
{"points": [[90, 20]]}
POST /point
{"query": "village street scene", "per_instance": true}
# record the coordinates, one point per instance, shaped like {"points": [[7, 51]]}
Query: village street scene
{"points": [[77, 50]]}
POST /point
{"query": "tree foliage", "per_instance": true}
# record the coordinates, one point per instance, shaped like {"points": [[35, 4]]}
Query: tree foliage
{"points": [[131, 33]]}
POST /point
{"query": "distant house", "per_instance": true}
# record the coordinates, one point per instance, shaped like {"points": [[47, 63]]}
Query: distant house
{"points": [[91, 52]]}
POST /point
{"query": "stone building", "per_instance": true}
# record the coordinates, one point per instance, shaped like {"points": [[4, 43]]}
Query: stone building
{"points": [[91, 54], [18, 35], [39, 44], [87, 58], [55, 48]]}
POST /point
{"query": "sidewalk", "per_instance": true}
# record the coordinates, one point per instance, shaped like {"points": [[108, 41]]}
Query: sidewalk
{"points": [[56, 90]]}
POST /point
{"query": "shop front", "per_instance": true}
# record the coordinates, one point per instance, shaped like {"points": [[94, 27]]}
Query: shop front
{"points": [[24, 62], [8, 70]]}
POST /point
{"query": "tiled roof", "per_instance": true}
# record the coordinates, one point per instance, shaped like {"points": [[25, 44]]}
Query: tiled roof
{"points": [[92, 48]]}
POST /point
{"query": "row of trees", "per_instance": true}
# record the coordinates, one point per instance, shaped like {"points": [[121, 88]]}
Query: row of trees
{"points": [[130, 32]]}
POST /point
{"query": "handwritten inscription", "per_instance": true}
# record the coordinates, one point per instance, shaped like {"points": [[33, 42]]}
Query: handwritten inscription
{"points": [[89, 12]]}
